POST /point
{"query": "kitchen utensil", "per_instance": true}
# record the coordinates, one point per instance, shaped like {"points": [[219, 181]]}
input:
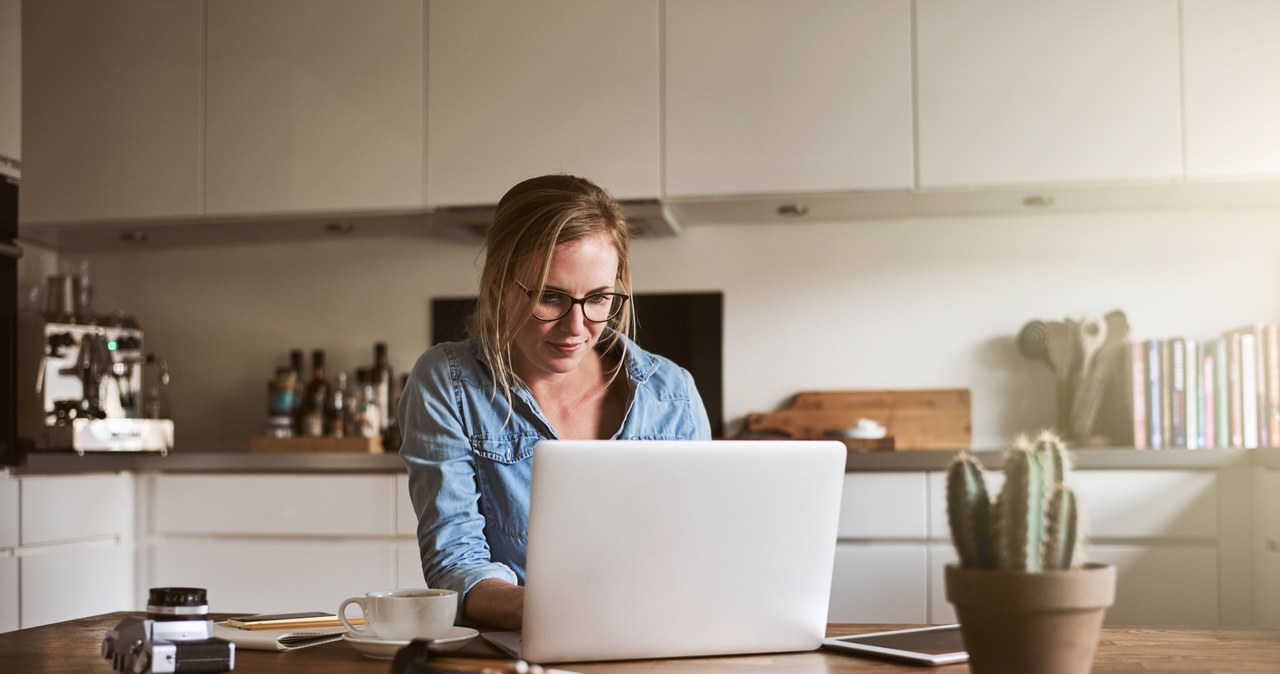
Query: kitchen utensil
{"points": [[1033, 341], [1060, 350], [1101, 358]]}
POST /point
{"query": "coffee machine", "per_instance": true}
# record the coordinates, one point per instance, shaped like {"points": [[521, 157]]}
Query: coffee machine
{"points": [[92, 388]]}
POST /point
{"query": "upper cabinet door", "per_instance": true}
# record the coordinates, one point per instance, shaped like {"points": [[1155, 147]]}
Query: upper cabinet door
{"points": [[111, 110], [313, 105], [10, 83], [780, 96], [518, 89], [1231, 57], [1019, 91]]}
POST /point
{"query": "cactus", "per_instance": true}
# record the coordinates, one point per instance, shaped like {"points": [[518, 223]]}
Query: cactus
{"points": [[1034, 524]]}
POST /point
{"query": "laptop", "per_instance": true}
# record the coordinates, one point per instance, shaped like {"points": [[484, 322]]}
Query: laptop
{"points": [[660, 549]]}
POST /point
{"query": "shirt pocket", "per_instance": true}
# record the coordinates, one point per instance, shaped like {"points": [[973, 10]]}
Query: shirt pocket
{"points": [[504, 467]]}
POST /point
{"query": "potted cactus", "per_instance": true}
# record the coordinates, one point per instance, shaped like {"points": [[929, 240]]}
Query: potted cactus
{"points": [[1025, 599]]}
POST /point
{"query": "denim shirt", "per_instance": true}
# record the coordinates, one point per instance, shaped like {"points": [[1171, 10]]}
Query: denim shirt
{"points": [[469, 455]]}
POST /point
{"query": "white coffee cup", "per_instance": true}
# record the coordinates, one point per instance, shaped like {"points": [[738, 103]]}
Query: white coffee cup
{"points": [[401, 615]]}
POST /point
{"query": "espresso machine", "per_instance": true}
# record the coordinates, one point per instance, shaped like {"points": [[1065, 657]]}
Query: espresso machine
{"points": [[89, 386]]}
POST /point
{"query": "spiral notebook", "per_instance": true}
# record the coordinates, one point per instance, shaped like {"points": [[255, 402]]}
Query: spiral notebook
{"points": [[286, 639]]}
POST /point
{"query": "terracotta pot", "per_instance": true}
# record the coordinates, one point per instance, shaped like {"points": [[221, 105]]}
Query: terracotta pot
{"points": [[1015, 621]]}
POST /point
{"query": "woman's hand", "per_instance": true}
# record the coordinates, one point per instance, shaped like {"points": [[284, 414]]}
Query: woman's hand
{"points": [[495, 602]]}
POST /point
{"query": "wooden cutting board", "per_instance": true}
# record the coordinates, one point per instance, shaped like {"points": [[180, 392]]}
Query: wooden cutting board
{"points": [[917, 419], [322, 445]]}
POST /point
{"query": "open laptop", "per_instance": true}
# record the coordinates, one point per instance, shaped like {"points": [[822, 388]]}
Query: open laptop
{"points": [[656, 549]]}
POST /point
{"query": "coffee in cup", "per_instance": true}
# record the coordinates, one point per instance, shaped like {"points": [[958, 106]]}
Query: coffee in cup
{"points": [[401, 615]]}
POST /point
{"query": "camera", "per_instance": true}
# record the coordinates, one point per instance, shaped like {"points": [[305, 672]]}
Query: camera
{"points": [[176, 636]]}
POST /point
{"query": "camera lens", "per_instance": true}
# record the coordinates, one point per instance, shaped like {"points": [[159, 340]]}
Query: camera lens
{"points": [[177, 603]]}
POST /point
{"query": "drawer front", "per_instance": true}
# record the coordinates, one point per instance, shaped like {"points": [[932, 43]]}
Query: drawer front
{"points": [[1119, 503], [265, 576], [1267, 498], [339, 505], [409, 566], [9, 594], [8, 513], [883, 505], [76, 582], [879, 583], [406, 518], [68, 508], [1154, 585]]}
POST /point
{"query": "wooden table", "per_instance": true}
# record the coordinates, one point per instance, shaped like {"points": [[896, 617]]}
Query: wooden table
{"points": [[72, 648]]}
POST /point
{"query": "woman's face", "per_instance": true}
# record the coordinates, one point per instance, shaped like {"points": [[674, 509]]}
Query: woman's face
{"points": [[547, 348]]}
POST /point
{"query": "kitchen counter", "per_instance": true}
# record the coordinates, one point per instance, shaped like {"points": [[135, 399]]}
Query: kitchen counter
{"points": [[244, 462]]}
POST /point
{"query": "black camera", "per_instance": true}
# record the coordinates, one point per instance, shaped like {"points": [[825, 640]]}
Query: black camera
{"points": [[176, 636]]}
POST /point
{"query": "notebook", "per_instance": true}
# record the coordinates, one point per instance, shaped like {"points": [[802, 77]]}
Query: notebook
{"points": [[658, 549]]}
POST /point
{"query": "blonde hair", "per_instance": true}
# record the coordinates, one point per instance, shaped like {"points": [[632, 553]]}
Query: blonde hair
{"points": [[533, 218]]}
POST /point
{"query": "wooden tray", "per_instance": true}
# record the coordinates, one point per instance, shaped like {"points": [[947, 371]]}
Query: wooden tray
{"points": [[917, 419], [324, 445]]}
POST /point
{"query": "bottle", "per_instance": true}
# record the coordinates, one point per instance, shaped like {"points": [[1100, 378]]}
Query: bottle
{"points": [[280, 403], [313, 400], [368, 414], [335, 409], [382, 380], [299, 390], [391, 439]]}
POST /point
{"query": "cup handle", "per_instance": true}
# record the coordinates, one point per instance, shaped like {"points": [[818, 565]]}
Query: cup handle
{"points": [[342, 614]]}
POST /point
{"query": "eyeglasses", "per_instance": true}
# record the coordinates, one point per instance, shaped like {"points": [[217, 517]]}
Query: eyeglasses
{"points": [[552, 305]]}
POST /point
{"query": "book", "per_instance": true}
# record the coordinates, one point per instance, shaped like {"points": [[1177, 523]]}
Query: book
{"points": [[1155, 388], [1138, 392], [1208, 380], [1177, 383], [1235, 408], [1166, 392], [1221, 421], [279, 639], [1191, 360], [1271, 390], [289, 620], [1249, 390]]}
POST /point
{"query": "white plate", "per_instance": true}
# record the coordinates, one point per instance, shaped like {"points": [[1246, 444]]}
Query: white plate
{"points": [[385, 649]]}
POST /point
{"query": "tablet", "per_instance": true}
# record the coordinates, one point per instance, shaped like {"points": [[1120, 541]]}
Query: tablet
{"points": [[937, 645]]}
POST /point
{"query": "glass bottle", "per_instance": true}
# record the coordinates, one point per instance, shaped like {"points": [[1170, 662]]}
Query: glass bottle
{"points": [[368, 414], [299, 390], [313, 401], [335, 412], [382, 380]]}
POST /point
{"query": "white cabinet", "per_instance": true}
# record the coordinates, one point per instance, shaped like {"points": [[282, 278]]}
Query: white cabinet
{"points": [[1158, 527], [1232, 87], [9, 520], [879, 583], [8, 549], [778, 96], [881, 555], [521, 89], [10, 590], [280, 542], [1266, 524], [10, 83], [1016, 92], [76, 554], [313, 105], [112, 95]]}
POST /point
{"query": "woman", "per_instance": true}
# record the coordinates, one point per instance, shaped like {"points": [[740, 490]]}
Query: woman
{"points": [[549, 356]]}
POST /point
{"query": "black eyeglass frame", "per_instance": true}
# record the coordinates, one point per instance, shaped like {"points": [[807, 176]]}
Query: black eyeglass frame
{"points": [[622, 302]]}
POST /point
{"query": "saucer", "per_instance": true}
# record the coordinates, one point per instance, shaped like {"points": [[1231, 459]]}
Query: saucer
{"points": [[385, 649]]}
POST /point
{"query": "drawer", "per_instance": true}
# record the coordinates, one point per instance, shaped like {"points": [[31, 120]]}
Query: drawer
{"points": [[75, 582], [879, 583], [1119, 503], [1267, 499], [8, 594], [8, 513], [409, 566], [273, 576], [406, 518], [291, 505], [72, 507], [883, 505]]}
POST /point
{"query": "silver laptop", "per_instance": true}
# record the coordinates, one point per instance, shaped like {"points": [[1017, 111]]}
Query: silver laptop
{"points": [[656, 549]]}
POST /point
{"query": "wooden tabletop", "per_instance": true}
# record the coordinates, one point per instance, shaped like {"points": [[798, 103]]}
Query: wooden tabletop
{"points": [[72, 647]]}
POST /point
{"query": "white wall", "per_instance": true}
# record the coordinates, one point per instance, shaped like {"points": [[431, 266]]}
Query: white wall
{"points": [[869, 304]]}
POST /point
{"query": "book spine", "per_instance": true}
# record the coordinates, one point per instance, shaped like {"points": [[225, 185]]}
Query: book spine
{"points": [[1236, 409], [1166, 392], [1191, 360], [1155, 389], [1178, 392], [1271, 354], [1208, 401], [1138, 392], [1249, 389], [1221, 416]]}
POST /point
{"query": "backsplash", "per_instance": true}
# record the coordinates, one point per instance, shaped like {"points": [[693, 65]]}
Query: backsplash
{"points": [[921, 303]]}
